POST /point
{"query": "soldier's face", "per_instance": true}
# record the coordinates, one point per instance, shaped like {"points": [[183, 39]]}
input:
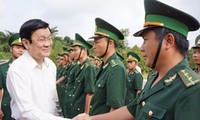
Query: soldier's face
{"points": [[77, 51], [17, 51], [131, 65], [149, 47], [100, 46], [196, 56], [41, 44]]}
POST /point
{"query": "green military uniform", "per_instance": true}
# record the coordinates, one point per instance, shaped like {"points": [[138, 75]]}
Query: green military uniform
{"points": [[61, 86], [5, 103], [171, 98], [69, 86], [176, 96], [135, 79], [83, 84], [110, 85], [197, 46]]}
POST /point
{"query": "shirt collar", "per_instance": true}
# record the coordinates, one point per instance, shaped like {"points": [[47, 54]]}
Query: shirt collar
{"points": [[32, 63]]}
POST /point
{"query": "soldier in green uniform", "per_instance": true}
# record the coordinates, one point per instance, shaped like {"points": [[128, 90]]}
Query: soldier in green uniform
{"points": [[110, 85], [196, 54], [17, 50], [61, 77], [83, 88], [135, 79], [69, 83], [174, 92]]}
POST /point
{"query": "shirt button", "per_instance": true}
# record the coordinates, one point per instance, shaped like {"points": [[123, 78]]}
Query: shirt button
{"points": [[99, 85], [150, 113], [143, 103], [78, 109]]}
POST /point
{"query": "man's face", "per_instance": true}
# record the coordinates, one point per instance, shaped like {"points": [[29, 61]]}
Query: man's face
{"points": [[100, 46], [77, 51], [196, 56], [17, 51], [131, 65], [41, 43], [149, 47], [71, 54]]}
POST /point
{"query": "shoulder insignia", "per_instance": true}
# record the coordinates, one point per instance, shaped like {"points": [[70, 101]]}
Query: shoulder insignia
{"points": [[82, 66], [136, 71], [113, 63], [86, 64], [104, 66], [3, 63], [188, 77], [170, 80]]}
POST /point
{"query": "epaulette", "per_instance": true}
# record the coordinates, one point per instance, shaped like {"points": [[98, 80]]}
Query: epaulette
{"points": [[188, 77], [3, 63], [136, 71], [113, 63], [86, 65]]}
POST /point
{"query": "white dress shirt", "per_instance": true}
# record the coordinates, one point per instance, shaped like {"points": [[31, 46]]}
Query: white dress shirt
{"points": [[32, 89]]}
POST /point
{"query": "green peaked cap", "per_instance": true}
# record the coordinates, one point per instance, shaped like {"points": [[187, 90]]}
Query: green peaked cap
{"points": [[79, 41], [158, 14], [14, 40], [120, 56], [197, 42], [65, 51], [131, 56], [105, 29]]}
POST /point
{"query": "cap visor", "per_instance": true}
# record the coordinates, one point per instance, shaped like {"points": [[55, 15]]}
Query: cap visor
{"points": [[140, 33], [96, 36]]}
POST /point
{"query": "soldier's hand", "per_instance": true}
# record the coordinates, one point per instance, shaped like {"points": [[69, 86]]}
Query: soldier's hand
{"points": [[82, 116], [1, 115]]}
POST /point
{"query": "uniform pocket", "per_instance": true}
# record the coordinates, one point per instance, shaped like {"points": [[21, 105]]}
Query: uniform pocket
{"points": [[153, 111]]}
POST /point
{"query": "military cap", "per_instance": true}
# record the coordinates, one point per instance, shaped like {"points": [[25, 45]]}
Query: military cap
{"points": [[120, 56], [14, 40], [79, 41], [65, 51], [197, 42], [105, 29], [131, 56], [158, 14]]}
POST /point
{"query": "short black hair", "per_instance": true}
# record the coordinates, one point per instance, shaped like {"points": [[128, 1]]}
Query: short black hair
{"points": [[30, 26], [181, 41]]}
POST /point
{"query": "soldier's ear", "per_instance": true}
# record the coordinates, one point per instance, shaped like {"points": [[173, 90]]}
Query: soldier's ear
{"points": [[169, 40]]}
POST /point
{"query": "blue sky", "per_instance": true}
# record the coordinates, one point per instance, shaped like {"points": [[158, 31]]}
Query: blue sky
{"points": [[77, 16]]}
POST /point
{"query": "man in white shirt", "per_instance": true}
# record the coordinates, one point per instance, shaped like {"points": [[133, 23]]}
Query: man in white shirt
{"points": [[31, 79]]}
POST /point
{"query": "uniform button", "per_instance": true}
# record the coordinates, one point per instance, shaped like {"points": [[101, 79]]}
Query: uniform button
{"points": [[65, 90], [74, 86], [150, 113], [70, 95], [71, 104], [4, 104], [90, 106], [78, 109], [99, 85], [143, 103]]}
